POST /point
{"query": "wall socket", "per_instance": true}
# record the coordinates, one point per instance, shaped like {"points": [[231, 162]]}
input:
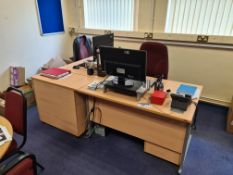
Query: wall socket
{"points": [[71, 31], [107, 31], [202, 38], [148, 35]]}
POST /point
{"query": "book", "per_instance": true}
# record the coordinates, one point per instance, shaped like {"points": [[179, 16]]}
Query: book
{"points": [[55, 73], [186, 89]]}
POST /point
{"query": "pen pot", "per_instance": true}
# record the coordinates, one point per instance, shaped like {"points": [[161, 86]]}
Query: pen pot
{"points": [[90, 67]]}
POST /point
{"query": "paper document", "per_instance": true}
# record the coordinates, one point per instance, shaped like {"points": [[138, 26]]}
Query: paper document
{"points": [[4, 135], [186, 89]]}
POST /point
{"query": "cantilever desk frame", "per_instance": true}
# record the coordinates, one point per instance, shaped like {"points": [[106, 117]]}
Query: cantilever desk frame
{"points": [[64, 103]]}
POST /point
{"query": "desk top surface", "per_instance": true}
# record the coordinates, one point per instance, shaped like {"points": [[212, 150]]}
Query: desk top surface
{"points": [[162, 110], [78, 81], [5, 146]]}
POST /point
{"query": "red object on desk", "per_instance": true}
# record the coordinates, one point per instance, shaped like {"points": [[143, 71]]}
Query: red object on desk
{"points": [[55, 72], [158, 97]]}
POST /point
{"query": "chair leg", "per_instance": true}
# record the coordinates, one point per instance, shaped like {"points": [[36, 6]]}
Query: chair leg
{"points": [[39, 165]]}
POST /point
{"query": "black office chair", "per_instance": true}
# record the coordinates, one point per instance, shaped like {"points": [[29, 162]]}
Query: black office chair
{"points": [[81, 48]]}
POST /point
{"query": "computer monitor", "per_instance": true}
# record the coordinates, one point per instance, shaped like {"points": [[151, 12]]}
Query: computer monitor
{"points": [[129, 67], [102, 40]]}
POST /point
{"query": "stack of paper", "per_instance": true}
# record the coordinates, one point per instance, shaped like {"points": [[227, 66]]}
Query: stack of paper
{"points": [[4, 135]]}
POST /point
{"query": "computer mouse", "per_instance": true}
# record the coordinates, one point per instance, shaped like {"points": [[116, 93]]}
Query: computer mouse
{"points": [[76, 67]]}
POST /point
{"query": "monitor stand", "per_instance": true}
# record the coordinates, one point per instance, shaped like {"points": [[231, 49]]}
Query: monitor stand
{"points": [[121, 81], [122, 85]]}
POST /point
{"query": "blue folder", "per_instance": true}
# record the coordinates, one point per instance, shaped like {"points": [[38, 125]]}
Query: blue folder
{"points": [[186, 89]]}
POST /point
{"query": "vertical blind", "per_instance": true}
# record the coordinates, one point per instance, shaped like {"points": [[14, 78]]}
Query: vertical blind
{"points": [[109, 14], [207, 17]]}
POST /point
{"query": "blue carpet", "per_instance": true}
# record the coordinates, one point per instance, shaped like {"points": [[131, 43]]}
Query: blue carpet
{"points": [[210, 152]]}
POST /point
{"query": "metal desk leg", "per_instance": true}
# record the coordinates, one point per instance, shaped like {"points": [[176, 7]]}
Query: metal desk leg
{"points": [[195, 118], [187, 141], [188, 138]]}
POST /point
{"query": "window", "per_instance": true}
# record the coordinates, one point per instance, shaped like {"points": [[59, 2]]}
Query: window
{"points": [[207, 17], [109, 14], [172, 20]]}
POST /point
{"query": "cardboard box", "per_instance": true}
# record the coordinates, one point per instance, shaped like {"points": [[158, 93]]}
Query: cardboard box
{"points": [[2, 107], [17, 76], [29, 95], [230, 118]]}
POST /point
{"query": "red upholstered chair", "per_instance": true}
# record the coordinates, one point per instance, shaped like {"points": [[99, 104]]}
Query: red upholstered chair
{"points": [[16, 113], [157, 59], [19, 164]]}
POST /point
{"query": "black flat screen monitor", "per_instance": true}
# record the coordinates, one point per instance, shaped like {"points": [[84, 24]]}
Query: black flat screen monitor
{"points": [[102, 40], [124, 63]]}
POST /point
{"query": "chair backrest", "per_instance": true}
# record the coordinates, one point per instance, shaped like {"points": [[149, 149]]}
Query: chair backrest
{"points": [[16, 111], [157, 59], [81, 48], [18, 164]]}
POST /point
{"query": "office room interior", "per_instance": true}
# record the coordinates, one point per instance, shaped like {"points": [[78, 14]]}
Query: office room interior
{"points": [[205, 63]]}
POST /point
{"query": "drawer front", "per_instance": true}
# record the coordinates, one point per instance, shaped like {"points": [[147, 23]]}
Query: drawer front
{"points": [[166, 154], [149, 127]]}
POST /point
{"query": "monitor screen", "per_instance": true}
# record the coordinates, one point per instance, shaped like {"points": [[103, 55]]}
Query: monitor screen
{"points": [[124, 63], [102, 40]]}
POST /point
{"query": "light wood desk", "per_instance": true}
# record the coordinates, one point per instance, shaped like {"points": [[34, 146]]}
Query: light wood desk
{"points": [[5, 146], [64, 104]]}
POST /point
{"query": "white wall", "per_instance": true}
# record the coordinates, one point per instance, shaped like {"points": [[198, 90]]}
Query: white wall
{"points": [[212, 68], [20, 41]]}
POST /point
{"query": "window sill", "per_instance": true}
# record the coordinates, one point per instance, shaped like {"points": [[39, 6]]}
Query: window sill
{"points": [[185, 40]]}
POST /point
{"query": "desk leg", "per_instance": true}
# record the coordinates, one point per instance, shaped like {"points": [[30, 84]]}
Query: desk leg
{"points": [[195, 118], [187, 141]]}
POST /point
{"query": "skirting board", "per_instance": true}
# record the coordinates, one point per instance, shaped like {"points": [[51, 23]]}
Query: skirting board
{"points": [[215, 101]]}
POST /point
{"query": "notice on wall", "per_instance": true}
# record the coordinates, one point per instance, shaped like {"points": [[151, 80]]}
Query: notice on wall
{"points": [[50, 16]]}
